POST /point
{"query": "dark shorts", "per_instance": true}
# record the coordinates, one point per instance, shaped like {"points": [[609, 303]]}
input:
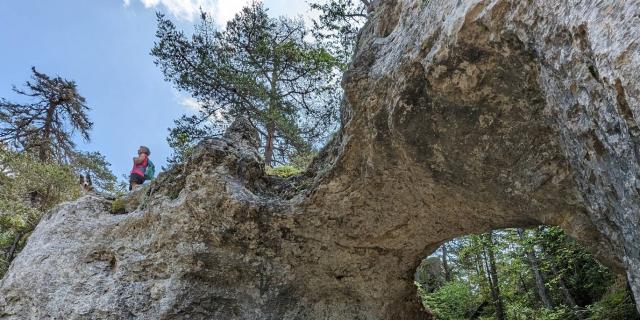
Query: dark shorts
{"points": [[135, 178]]}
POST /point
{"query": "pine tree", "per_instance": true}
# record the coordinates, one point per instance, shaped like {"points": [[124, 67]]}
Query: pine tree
{"points": [[258, 67], [534, 264], [338, 24], [45, 125], [492, 273]]}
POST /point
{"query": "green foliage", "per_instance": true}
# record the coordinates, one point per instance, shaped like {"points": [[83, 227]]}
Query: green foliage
{"points": [[283, 171], [258, 67], [521, 310], [298, 164], [302, 160], [577, 285], [28, 189], [187, 131], [558, 313], [95, 166], [118, 206], [338, 24], [45, 125], [564, 259], [39, 165], [454, 300], [617, 304]]}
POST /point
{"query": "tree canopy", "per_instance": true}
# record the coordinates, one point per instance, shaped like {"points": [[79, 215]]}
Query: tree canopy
{"points": [[39, 162], [258, 67], [46, 124], [338, 24]]}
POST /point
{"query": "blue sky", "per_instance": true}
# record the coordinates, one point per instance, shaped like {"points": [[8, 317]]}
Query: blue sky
{"points": [[104, 46]]}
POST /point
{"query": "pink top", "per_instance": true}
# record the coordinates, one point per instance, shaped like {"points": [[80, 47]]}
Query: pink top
{"points": [[139, 169]]}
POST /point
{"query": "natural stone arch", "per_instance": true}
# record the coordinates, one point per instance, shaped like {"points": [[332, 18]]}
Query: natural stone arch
{"points": [[454, 134], [459, 118]]}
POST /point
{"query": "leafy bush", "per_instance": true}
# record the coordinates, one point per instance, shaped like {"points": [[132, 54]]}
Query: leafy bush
{"points": [[302, 160], [283, 171], [454, 300], [28, 189], [518, 310], [615, 305], [118, 206], [559, 313]]}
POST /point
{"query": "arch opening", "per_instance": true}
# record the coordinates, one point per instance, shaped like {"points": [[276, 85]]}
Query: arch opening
{"points": [[515, 273]]}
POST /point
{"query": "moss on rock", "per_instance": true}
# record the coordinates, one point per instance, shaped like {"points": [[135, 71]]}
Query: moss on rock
{"points": [[118, 206]]}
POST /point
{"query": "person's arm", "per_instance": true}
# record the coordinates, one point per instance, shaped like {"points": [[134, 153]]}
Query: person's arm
{"points": [[139, 159]]}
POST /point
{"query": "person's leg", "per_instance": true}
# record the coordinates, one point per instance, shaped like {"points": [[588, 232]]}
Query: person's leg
{"points": [[135, 181], [132, 181]]}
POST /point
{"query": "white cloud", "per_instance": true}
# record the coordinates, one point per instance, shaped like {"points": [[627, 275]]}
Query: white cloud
{"points": [[187, 101], [221, 10], [227, 9], [190, 103], [194, 105], [292, 9], [224, 10]]}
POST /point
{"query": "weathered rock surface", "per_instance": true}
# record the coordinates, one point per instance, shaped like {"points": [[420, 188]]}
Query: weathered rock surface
{"points": [[461, 117]]}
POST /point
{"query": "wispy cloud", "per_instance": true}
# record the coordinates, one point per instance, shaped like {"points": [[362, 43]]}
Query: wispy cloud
{"points": [[227, 9], [222, 10], [190, 103], [193, 105], [187, 101]]}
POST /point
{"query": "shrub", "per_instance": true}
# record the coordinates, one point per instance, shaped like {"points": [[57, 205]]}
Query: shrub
{"points": [[558, 313], [454, 300], [283, 171], [520, 310], [28, 189], [118, 206], [615, 305]]}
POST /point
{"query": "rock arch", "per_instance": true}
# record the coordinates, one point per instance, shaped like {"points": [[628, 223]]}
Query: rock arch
{"points": [[459, 118]]}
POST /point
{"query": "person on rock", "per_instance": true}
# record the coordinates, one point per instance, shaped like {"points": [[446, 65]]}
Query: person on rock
{"points": [[140, 164]]}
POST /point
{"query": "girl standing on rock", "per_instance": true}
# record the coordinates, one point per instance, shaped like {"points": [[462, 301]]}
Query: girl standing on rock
{"points": [[140, 164]]}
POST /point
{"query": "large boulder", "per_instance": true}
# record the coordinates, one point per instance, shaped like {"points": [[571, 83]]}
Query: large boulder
{"points": [[460, 117]]}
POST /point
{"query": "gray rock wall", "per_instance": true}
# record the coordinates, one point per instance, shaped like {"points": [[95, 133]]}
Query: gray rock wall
{"points": [[560, 77]]}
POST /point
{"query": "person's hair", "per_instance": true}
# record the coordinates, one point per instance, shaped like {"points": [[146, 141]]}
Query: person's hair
{"points": [[145, 150]]}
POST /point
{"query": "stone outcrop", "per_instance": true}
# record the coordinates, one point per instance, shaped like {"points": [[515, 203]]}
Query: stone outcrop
{"points": [[460, 117]]}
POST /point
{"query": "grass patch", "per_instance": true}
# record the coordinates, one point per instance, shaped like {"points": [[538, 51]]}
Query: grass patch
{"points": [[283, 171], [118, 206]]}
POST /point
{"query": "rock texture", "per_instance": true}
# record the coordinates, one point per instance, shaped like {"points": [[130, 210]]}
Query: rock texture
{"points": [[460, 117]]}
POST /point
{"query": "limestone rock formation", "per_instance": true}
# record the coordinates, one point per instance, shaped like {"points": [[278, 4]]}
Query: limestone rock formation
{"points": [[460, 117]]}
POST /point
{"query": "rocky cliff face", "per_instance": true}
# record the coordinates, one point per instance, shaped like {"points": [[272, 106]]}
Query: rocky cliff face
{"points": [[460, 117]]}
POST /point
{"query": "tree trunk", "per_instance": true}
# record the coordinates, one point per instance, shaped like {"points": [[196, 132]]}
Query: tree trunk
{"points": [[274, 101], [482, 275], [493, 275], [566, 294], [268, 149], [535, 269], [445, 265], [45, 144], [14, 247]]}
